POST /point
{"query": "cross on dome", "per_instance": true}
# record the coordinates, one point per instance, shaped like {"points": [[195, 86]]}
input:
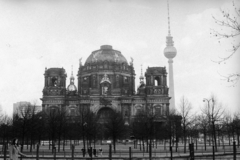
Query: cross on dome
{"points": [[141, 77]]}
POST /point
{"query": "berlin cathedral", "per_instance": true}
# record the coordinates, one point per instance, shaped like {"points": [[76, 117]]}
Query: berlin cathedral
{"points": [[106, 82]]}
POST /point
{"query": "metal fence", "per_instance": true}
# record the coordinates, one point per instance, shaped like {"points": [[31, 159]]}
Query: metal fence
{"points": [[157, 153]]}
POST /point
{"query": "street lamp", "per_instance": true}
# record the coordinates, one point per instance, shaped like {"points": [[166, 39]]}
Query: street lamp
{"points": [[208, 102]]}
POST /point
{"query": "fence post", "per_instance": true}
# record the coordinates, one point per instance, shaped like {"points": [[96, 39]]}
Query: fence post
{"points": [[130, 153], [37, 156], [110, 152], [213, 152], [150, 152], [196, 144], [192, 151], [91, 153], [234, 151], [171, 152], [21, 148], [5, 151], [73, 151], [191, 148], [54, 153]]}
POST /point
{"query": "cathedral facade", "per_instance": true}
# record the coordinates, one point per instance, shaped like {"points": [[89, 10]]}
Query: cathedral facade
{"points": [[106, 82]]}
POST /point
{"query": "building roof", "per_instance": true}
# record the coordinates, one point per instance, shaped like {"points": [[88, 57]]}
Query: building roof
{"points": [[60, 71], [155, 71]]}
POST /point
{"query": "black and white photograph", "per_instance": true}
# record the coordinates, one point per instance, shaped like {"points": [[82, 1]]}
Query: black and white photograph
{"points": [[120, 79]]}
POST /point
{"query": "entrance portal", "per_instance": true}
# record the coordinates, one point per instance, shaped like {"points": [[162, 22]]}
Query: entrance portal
{"points": [[104, 114]]}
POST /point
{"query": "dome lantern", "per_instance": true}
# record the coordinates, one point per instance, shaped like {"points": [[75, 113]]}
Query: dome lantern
{"points": [[106, 53]]}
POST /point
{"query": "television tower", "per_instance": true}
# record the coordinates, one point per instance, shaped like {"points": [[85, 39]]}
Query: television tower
{"points": [[170, 52]]}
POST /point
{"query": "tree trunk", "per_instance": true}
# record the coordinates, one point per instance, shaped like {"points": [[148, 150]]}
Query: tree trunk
{"points": [[23, 135], [229, 139], [147, 144], [238, 137], [205, 139], [140, 145], [209, 140], [143, 145], [59, 139], [214, 136], [114, 144], [27, 142], [184, 137], [31, 143]]}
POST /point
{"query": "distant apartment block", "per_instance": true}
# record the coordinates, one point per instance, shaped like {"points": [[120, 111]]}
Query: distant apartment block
{"points": [[23, 108]]}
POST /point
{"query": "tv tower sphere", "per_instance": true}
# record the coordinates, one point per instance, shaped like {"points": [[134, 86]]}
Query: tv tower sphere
{"points": [[170, 51]]}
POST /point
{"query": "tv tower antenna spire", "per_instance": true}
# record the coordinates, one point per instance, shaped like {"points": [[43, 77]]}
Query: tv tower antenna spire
{"points": [[170, 52], [169, 30]]}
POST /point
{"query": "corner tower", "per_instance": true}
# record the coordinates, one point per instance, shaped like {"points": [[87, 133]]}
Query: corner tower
{"points": [[170, 52], [54, 89]]}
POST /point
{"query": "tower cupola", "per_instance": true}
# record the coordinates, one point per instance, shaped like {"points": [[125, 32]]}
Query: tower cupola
{"points": [[71, 87]]}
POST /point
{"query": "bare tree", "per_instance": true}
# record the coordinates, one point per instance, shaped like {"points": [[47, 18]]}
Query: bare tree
{"points": [[5, 128], [32, 125], [115, 127], [144, 125], [173, 127], [193, 130], [185, 111], [61, 125], [236, 124], [52, 118], [203, 123], [92, 127], [214, 111], [230, 21], [81, 122], [40, 130], [22, 122], [227, 126]]}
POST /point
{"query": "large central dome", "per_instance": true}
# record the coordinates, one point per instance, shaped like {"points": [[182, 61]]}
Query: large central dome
{"points": [[106, 53]]}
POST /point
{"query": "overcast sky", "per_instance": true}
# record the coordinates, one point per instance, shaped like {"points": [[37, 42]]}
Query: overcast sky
{"points": [[35, 34]]}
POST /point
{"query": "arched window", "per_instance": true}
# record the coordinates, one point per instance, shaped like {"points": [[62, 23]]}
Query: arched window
{"points": [[54, 81], [156, 81], [125, 79], [84, 79]]}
